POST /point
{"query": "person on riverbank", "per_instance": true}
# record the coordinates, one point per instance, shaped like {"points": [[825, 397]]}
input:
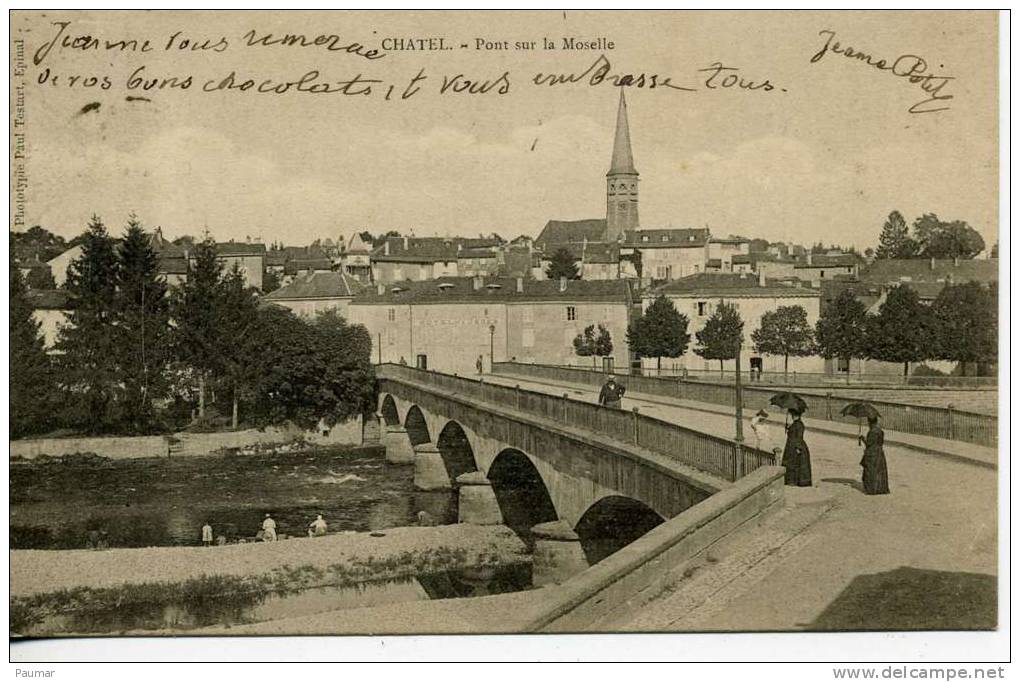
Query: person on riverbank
{"points": [[317, 527], [207, 535], [611, 393], [760, 429], [269, 529], [796, 456], [875, 474]]}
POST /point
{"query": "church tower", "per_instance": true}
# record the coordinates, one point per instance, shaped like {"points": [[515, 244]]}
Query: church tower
{"points": [[621, 181]]}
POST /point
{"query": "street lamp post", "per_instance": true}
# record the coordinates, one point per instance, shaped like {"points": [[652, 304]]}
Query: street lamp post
{"points": [[492, 336], [738, 440]]}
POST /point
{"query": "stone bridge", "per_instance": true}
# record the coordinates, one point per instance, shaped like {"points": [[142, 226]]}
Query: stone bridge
{"points": [[556, 466]]}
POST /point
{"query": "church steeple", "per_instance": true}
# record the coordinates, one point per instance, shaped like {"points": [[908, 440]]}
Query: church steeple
{"points": [[621, 180]]}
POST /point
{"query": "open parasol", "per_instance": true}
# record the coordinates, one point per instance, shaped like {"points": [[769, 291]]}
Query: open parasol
{"points": [[788, 401], [861, 411]]}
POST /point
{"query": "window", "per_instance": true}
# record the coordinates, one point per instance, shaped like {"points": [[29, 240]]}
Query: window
{"points": [[822, 273], [392, 314], [644, 237], [528, 314], [702, 308], [571, 313], [528, 337], [664, 238]]}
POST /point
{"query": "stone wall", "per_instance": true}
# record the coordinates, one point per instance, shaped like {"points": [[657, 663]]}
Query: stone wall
{"points": [[190, 445]]}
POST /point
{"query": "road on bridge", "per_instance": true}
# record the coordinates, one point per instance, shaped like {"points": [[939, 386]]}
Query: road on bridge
{"points": [[922, 557]]}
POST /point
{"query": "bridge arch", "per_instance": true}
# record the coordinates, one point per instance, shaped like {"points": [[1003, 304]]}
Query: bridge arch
{"points": [[612, 523], [388, 410], [456, 449], [417, 427], [521, 492]]}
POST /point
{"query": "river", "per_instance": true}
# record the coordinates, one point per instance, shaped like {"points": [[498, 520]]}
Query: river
{"points": [[72, 502]]}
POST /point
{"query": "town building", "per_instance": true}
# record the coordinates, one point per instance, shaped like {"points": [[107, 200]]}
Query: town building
{"points": [[248, 257], [817, 267], [477, 261], [722, 250], [316, 291], [449, 323], [356, 258], [59, 264], [415, 259], [668, 253], [698, 296], [51, 310]]}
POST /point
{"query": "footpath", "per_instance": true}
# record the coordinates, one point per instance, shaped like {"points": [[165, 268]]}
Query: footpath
{"points": [[686, 411], [922, 557]]}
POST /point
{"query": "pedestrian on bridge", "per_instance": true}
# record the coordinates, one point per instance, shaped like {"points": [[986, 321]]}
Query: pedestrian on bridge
{"points": [[611, 393], [796, 456], [875, 477]]}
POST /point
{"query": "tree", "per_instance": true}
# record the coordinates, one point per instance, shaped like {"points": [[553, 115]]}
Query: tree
{"points": [[349, 381], [31, 377], [38, 242], [784, 331], [966, 319], [722, 336], [593, 344], [88, 344], [660, 332], [270, 281], [562, 265], [40, 279], [895, 241], [938, 239], [238, 306], [141, 326], [840, 331], [196, 310], [902, 331]]}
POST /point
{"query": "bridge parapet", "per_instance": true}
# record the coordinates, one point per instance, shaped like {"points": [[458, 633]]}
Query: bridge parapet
{"points": [[721, 457]]}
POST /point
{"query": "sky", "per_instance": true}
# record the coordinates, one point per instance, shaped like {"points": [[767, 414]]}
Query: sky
{"points": [[824, 155]]}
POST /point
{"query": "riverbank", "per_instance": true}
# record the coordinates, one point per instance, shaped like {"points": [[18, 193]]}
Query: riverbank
{"points": [[44, 583]]}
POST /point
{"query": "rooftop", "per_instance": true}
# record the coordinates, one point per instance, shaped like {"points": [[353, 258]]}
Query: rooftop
{"points": [[502, 289], [571, 231], [416, 250], [240, 249], [316, 285], [48, 299], [821, 260], [731, 285], [298, 264], [667, 238], [931, 270]]}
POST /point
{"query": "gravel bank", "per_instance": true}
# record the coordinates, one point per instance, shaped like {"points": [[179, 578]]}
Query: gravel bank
{"points": [[358, 555]]}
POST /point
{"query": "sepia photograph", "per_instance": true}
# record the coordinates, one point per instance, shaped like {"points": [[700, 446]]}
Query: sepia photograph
{"points": [[505, 322]]}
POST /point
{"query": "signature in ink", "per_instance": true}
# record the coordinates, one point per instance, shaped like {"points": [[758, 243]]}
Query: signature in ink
{"points": [[910, 66]]}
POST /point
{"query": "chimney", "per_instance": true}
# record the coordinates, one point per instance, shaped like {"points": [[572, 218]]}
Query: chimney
{"points": [[476, 283], [761, 276], [956, 261], [809, 258], [520, 285], [405, 243], [381, 288], [563, 284], [386, 247], [931, 263]]}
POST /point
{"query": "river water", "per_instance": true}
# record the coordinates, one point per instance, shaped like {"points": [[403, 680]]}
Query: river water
{"points": [[72, 502]]}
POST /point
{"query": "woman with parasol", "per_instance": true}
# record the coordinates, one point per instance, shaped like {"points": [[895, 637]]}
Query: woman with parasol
{"points": [[875, 474], [796, 455]]}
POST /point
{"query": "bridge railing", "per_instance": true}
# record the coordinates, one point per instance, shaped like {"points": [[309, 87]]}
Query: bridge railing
{"points": [[718, 456], [939, 422]]}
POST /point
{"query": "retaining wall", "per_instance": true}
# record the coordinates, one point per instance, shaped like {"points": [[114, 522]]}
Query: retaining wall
{"points": [[189, 445]]}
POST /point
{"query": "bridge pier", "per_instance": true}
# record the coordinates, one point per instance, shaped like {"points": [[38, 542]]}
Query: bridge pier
{"points": [[429, 470], [558, 555], [398, 445], [477, 502]]}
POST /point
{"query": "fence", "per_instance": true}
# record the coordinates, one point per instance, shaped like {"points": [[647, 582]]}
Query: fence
{"points": [[720, 457], [810, 379], [939, 422]]}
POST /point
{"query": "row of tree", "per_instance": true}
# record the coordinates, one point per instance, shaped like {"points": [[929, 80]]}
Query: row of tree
{"points": [[961, 325], [932, 238], [135, 355]]}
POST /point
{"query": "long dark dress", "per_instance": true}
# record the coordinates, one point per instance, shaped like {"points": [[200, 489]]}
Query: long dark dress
{"points": [[796, 456], [876, 476]]}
